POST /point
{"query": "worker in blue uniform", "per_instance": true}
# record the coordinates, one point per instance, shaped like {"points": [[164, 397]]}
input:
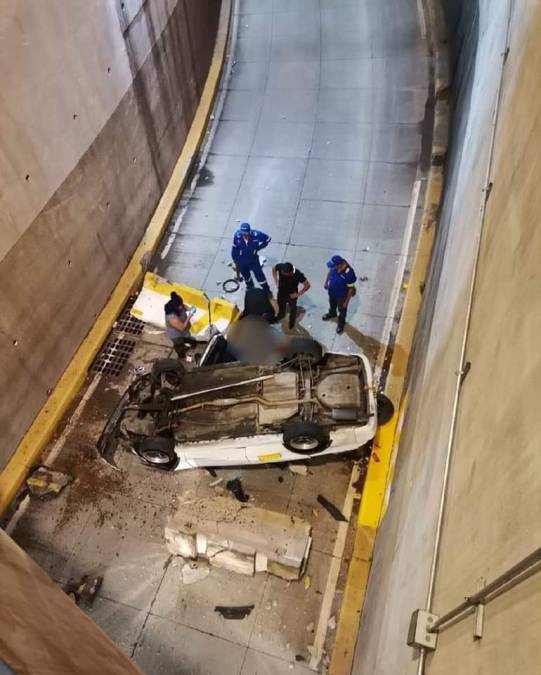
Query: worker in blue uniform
{"points": [[340, 284], [246, 245]]}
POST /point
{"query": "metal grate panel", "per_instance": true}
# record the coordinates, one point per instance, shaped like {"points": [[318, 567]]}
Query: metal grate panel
{"points": [[127, 323], [113, 356]]}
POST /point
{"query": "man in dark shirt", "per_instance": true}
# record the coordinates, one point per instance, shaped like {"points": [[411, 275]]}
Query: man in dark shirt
{"points": [[288, 280]]}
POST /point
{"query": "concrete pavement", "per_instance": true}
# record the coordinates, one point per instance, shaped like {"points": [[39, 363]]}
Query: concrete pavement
{"points": [[317, 144]]}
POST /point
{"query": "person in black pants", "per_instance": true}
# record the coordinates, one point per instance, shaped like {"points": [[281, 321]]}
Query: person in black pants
{"points": [[340, 284], [288, 279]]}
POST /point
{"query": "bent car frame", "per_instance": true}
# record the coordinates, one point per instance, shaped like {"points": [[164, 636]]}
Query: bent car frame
{"points": [[225, 413]]}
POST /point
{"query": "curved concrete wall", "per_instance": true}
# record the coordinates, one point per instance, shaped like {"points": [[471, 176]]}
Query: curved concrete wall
{"points": [[97, 99], [492, 515]]}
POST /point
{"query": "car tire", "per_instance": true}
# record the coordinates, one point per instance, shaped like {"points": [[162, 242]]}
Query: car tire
{"points": [[157, 451], [172, 369], [305, 438], [308, 349], [385, 409]]}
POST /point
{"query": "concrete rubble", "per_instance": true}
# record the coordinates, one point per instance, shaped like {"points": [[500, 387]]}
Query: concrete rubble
{"points": [[44, 483], [240, 537]]}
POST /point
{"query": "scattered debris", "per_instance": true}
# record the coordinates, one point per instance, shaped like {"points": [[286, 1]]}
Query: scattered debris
{"points": [[44, 483], [331, 508], [236, 613], [331, 623], [212, 471], [216, 482], [192, 572], [240, 537], [310, 627], [280, 479], [300, 658], [299, 469], [84, 591], [235, 487], [363, 278], [307, 582], [315, 513]]}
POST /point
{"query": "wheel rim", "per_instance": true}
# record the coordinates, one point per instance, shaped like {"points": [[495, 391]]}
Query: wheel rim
{"points": [[156, 456], [304, 442]]}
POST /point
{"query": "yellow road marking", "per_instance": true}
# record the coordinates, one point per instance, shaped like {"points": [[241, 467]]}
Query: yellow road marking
{"points": [[34, 442], [381, 467]]}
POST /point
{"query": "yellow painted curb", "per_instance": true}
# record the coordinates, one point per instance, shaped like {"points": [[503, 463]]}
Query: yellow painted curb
{"points": [[32, 445], [380, 471]]}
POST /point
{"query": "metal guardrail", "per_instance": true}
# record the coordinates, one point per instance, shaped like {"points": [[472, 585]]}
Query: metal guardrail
{"points": [[425, 626], [487, 593]]}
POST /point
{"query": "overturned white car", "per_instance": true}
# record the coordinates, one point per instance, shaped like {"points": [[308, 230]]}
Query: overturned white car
{"points": [[226, 412]]}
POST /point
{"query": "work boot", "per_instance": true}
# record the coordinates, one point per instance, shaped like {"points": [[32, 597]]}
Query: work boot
{"points": [[328, 316], [339, 330]]}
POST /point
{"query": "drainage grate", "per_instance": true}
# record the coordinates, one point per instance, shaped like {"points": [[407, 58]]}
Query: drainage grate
{"points": [[126, 323], [113, 356]]}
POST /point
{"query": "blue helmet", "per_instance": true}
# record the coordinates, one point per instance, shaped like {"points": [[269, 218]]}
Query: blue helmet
{"points": [[334, 261], [245, 227]]}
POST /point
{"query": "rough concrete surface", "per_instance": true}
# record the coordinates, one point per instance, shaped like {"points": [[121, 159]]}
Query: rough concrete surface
{"points": [[318, 144]]}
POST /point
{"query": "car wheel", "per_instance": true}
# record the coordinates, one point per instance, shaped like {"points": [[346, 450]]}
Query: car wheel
{"points": [[305, 438], [385, 409], [158, 451], [307, 349]]}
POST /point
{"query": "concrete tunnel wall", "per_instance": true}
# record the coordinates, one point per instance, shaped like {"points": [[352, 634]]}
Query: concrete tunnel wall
{"points": [[97, 100], [492, 516]]}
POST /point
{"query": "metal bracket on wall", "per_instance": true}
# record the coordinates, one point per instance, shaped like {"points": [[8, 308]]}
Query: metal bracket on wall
{"points": [[425, 626], [479, 616], [421, 633]]}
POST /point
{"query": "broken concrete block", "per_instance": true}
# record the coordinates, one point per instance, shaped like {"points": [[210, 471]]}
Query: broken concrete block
{"points": [[283, 571], [44, 483], [261, 562], [299, 469], [201, 543], [231, 526], [179, 543], [234, 562]]}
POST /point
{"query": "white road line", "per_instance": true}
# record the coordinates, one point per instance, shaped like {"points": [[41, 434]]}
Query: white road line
{"points": [[338, 551], [399, 276], [334, 571]]}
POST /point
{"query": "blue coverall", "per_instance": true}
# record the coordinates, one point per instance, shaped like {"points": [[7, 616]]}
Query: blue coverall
{"points": [[338, 285], [244, 254]]}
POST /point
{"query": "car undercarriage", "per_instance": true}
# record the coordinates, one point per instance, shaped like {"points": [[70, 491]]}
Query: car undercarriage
{"points": [[299, 398]]}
